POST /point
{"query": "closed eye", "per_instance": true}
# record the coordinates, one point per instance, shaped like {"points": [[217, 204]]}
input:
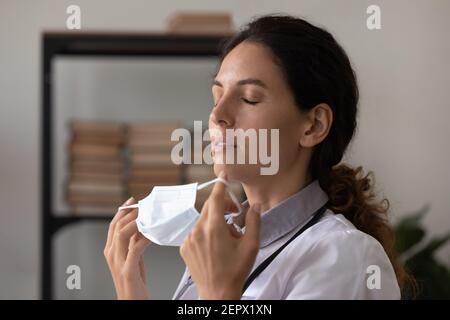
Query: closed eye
{"points": [[250, 102]]}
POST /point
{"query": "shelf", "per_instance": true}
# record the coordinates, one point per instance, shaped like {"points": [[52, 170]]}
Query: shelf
{"points": [[132, 44], [119, 44], [58, 222]]}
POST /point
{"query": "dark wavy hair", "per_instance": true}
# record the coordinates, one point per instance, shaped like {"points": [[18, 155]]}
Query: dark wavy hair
{"points": [[318, 70]]}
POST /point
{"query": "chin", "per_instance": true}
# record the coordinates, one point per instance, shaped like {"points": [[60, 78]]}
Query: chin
{"points": [[218, 168], [240, 173], [229, 170]]}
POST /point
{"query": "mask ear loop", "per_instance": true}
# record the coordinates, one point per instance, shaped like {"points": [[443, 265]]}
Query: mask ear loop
{"points": [[200, 187], [232, 196], [136, 205]]}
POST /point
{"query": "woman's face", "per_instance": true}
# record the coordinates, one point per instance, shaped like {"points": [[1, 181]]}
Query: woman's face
{"points": [[250, 92]]}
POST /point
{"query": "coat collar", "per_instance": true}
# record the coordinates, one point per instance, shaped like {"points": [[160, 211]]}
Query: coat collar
{"points": [[288, 214]]}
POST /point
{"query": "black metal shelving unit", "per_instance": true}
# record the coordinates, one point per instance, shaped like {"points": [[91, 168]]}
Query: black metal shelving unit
{"points": [[95, 44]]}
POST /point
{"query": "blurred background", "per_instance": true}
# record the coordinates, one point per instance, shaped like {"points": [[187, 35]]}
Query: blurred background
{"points": [[403, 130]]}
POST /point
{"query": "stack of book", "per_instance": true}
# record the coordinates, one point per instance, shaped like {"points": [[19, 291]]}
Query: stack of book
{"points": [[149, 146], [96, 179], [110, 162], [200, 23]]}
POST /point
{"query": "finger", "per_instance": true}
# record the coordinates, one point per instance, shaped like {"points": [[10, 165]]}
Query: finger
{"points": [[205, 207], [216, 206], [122, 239], [252, 226], [133, 239], [121, 223], [142, 269], [203, 215], [234, 232], [136, 252], [130, 216], [113, 223], [119, 214], [230, 206]]}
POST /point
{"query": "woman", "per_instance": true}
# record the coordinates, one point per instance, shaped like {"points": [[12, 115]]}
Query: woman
{"points": [[312, 231]]}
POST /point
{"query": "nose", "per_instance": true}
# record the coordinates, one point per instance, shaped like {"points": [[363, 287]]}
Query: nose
{"points": [[223, 114]]}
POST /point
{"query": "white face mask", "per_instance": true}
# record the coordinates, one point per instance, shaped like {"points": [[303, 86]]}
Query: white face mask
{"points": [[167, 214]]}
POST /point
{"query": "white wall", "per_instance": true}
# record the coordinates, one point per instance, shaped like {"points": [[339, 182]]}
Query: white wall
{"points": [[402, 69]]}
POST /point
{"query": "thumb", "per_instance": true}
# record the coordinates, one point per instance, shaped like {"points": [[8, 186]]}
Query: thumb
{"points": [[253, 225]]}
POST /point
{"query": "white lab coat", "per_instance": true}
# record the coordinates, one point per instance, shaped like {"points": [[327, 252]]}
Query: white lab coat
{"points": [[330, 260]]}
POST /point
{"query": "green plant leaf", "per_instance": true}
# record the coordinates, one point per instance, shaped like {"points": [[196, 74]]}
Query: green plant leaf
{"points": [[408, 231], [405, 239], [433, 245], [432, 277]]}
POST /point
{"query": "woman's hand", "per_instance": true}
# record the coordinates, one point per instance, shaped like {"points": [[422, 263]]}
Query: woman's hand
{"points": [[124, 251], [220, 259]]}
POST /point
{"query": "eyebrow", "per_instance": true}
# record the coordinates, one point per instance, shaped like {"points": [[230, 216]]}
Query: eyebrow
{"points": [[243, 82]]}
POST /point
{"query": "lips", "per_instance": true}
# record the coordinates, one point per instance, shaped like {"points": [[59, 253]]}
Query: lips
{"points": [[219, 143], [219, 146]]}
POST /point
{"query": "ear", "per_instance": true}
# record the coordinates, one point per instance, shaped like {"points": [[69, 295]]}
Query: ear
{"points": [[317, 125]]}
